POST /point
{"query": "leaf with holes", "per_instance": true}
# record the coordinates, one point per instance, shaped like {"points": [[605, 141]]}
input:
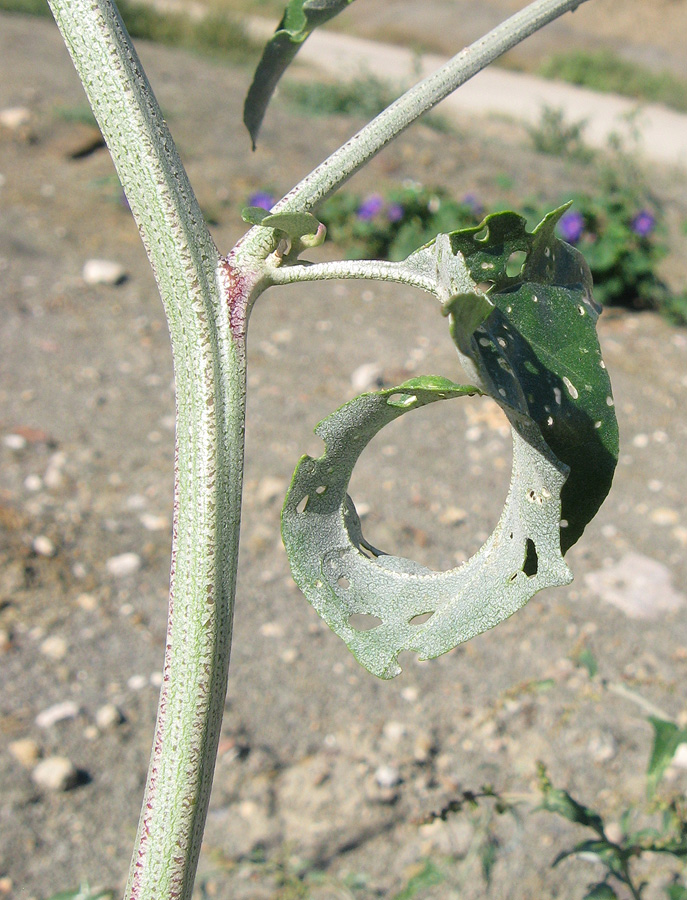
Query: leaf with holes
{"points": [[300, 19], [524, 321], [343, 576]]}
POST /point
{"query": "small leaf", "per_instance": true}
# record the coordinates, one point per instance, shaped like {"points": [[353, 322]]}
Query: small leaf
{"points": [[254, 215], [587, 660], [300, 19], [559, 801], [667, 738], [676, 892], [293, 224]]}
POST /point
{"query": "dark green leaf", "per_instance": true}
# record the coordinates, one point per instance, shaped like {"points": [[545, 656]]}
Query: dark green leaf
{"points": [[539, 352], [667, 738], [300, 19]]}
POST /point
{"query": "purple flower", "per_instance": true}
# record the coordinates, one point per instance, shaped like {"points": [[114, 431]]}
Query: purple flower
{"points": [[471, 201], [394, 212], [261, 199], [370, 206], [571, 226], [643, 223]]}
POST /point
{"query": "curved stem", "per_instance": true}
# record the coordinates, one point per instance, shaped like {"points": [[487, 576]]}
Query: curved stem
{"points": [[421, 98], [205, 301], [362, 269]]}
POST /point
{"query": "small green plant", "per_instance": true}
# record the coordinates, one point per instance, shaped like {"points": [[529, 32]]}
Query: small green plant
{"points": [[364, 97], [555, 136]]}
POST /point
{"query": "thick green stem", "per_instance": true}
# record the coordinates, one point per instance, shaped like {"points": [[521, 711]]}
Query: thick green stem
{"points": [[205, 300]]}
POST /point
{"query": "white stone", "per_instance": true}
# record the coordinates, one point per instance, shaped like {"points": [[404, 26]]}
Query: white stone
{"points": [[56, 773], [365, 377], [108, 716], [13, 117], [154, 523], [137, 682], [87, 601], [43, 546], [33, 482], [54, 647], [387, 776], [15, 441], [123, 565], [53, 476], [25, 751], [680, 758], [103, 271], [59, 712]]}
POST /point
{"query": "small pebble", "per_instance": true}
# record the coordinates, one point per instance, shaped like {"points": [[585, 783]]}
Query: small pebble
{"points": [[33, 483], [272, 629], [602, 748], [6, 885], [664, 516], [156, 679], [394, 731], [54, 647], [53, 476], [56, 773], [103, 271], [137, 682], [59, 712], [453, 515], [108, 716], [123, 565], [15, 441], [410, 694], [5, 640], [613, 832], [87, 601], [387, 777], [366, 377], [25, 751], [14, 117], [680, 758], [154, 523], [43, 546]]}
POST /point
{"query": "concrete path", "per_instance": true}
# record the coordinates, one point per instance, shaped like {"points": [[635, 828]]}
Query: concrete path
{"points": [[660, 134]]}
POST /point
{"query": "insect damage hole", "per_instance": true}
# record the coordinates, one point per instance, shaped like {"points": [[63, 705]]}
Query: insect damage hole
{"points": [[516, 263], [531, 564], [364, 621], [303, 504], [421, 618]]}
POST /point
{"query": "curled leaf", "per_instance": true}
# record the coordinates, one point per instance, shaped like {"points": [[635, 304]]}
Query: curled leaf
{"points": [[523, 320], [300, 19], [342, 575]]}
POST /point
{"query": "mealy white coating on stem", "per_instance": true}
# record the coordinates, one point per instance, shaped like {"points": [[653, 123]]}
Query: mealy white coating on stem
{"points": [[209, 364]]}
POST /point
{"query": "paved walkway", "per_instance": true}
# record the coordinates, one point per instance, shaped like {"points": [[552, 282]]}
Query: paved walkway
{"points": [[661, 133]]}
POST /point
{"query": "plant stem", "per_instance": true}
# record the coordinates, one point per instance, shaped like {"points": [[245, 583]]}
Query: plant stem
{"points": [[424, 96], [421, 98], [365, 269], [205, 300]]}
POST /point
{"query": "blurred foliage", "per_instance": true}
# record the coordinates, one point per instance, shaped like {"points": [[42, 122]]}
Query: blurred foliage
{"points": [[603, 70]]}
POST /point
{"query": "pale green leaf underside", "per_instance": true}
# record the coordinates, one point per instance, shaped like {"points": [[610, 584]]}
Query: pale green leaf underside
{"points": [[326, 549], [293, 224]]}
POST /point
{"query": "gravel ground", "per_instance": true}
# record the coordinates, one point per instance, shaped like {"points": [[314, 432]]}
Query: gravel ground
{"points": [[324, 775]]}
